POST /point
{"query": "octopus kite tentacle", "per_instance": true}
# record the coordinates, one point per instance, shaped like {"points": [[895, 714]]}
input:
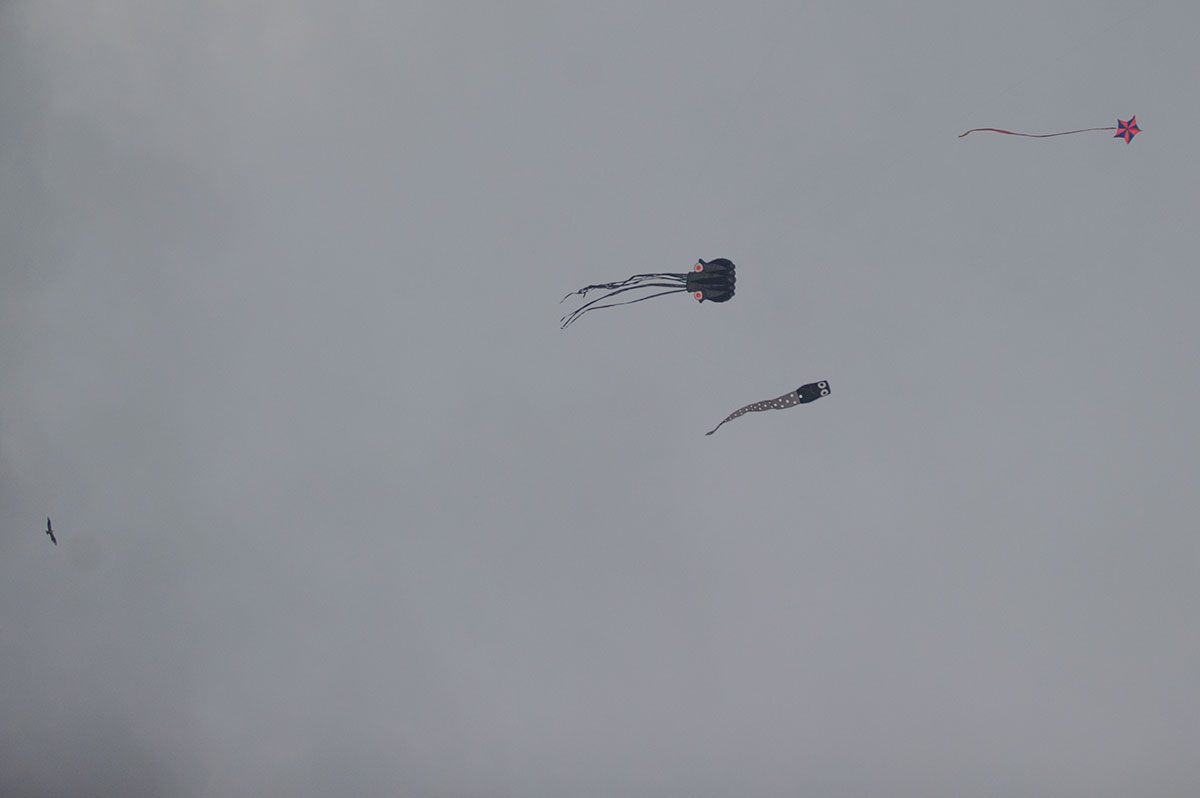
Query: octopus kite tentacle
{"points": [[579, 311], [636, 281]]}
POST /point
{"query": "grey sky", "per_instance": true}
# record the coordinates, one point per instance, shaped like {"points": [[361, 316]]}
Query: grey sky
{"points": [[342, 511]]}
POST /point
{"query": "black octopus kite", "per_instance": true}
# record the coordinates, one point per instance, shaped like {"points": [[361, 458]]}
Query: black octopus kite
{"points": [[712, 280], [802, 395]]}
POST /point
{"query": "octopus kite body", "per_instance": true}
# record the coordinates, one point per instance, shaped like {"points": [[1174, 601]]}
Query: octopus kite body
{"points": [[801, 396]]}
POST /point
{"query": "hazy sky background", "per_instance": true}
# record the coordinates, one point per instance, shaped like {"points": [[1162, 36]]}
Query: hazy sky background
{"points": [[341, 511]]}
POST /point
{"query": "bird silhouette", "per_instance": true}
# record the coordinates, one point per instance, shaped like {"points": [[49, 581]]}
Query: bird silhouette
{"points": [[50, 531]]}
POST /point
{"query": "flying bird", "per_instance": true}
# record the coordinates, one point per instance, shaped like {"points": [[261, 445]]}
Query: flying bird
{"points": [[50, 531]]}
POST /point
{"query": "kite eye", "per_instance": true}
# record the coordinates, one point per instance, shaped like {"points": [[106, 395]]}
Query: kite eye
{"points": [[700, 295], [821, 385], [824, 392], [699, 267]]}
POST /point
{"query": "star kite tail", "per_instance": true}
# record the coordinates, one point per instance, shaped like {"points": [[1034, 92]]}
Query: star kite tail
{"points": [[1032, 135]]}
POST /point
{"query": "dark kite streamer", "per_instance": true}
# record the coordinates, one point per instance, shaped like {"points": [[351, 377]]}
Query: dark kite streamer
{"points": [[801, 396]]}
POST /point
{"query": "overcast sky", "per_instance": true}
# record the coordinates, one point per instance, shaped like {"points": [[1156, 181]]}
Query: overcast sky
{"points": [[342, 511]]}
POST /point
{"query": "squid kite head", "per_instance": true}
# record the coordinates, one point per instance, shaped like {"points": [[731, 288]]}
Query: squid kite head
{"points": [[812, 392]]}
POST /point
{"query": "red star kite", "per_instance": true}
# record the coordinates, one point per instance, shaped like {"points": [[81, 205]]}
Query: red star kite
{"points": [[1125, 130]]}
